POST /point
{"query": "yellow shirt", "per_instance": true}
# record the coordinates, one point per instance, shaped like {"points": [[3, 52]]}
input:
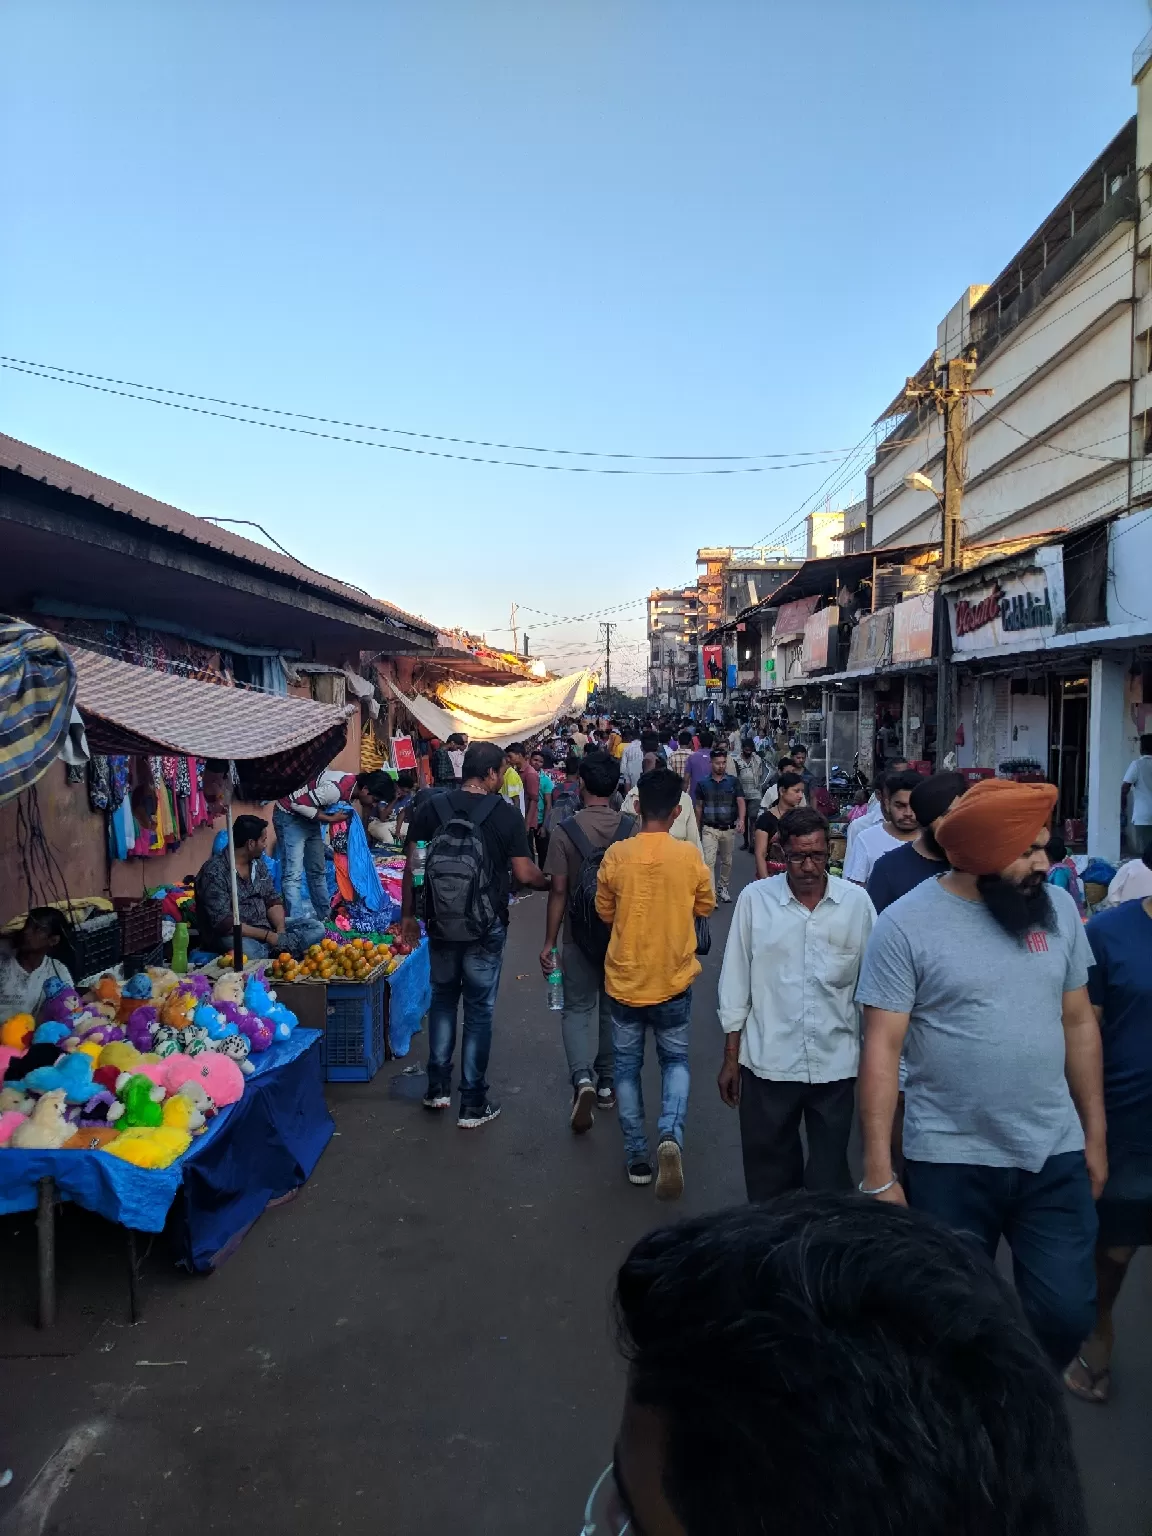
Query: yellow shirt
{"points": [[650, 889]]}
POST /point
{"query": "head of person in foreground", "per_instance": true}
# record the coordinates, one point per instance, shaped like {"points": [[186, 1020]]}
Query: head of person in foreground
{"points": [[996, 840], [826, 1363]]}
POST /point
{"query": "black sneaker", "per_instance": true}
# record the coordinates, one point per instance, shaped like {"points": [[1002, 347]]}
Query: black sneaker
{"points": [[437, 1099], [670, 1184], [640, 1173], [583, 1107], [475, 1115], [605, 1094]]}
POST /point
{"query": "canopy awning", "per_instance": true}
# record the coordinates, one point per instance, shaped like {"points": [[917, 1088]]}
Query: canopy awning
{"points": [[37, 691], [277, 743], [503, 714]]}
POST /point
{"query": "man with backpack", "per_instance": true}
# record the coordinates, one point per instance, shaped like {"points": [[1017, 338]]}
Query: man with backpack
{"points": [[475, 842], [651, 888], [574, 856]]}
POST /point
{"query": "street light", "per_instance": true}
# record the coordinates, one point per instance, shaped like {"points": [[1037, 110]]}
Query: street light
{"points": [[915, 481]]}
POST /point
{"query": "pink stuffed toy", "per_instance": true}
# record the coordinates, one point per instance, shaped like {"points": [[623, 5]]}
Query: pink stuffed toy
{"points": [[219, 1076], [9, 1120]]}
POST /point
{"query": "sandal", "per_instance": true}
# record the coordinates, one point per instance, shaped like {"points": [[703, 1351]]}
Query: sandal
{"points": [[1096, 1389]]}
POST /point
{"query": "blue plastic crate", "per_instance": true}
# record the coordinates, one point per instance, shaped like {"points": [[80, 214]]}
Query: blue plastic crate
{"points": [[353, 1045]]}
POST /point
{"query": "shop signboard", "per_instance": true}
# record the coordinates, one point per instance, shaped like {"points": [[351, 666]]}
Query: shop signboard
{"points": [[768, 672], [912, 627], [816, 633], [871, 641], [713, 659], [792, 618], [403, 754], [1011, 609]]}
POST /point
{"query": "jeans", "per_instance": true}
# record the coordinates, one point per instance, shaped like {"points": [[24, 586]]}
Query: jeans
{"points": [[299, 934], [300, 847], [770, 1115], [587, 1014], [718, 845], [669, 1023], [471, 971], [1049, 1222]]}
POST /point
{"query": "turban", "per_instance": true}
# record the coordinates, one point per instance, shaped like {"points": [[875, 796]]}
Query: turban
{"points": [[995, 823]]}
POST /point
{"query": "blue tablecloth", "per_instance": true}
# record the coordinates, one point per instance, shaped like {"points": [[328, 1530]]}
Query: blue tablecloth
{"points": [[254, 1150], [411, 991]]}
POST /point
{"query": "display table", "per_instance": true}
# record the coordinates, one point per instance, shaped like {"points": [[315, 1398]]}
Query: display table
{"points": [[252, 1152]]}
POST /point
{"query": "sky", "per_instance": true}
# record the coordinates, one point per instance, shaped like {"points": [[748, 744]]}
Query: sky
{"points": [[646, 227]]}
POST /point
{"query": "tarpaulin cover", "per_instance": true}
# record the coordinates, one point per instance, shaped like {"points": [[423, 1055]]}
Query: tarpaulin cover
{"points": [[37, 691], [362, 867], [500, 713], [277, 743], [254, 1150], [411, 992]]}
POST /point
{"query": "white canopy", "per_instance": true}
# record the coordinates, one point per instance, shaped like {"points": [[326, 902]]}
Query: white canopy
{"points": [[502, 713]]}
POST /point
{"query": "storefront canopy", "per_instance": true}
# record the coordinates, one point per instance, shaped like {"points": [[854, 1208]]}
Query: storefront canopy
{"points": [[277, 743], [505, 714], [37, 691]]}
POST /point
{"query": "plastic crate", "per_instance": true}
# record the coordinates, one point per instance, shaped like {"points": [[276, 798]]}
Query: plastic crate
{"points": [[95, 946], [133, 964], [139, 924], [354, 1030]]}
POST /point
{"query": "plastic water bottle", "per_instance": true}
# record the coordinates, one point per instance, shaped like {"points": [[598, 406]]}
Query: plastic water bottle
{"points": [[418, 860], [180, 949], [555, 985]]}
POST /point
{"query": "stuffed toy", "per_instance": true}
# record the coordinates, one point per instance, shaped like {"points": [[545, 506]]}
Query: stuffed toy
{"points": [[140, 1100], [123, 1056], [220, 1077], [199, 1100], [176, 1010], [237, 1046], [136, 990], [193, 1039], [197, 987], [259, 1031], [9, 1120], [163, 981], [150, 1147], [142, 1024], [61, 1005], [50, 1034], [213, 1022], [7, 1054], [89, 1048], [229, 988], [258, 1000], [98, 1109], [17, 1031], [15, 1098], [106, 990], [46, 1127], [180, 1114], [95, 1032], [35, 1056], [53, 988], [73, 1074], [90, 1138]]}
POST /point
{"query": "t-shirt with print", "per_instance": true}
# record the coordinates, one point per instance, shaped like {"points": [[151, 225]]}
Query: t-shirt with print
{"points": [[599, 824], [985, 1043], [503, 835]]}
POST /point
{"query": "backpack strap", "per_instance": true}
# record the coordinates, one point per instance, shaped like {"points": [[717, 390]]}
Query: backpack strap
{"points": [[487, 805], [625, 829], [478, 817], [579, 838]]}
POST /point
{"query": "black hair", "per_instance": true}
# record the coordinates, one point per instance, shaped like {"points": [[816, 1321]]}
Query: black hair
{"points": [[685, 738], [549, 760], [457, 737], [896, 783], [599, 773], [658, 792], [380, 785], [572, 765], [1146, 745], [704, 736], [801, 822], [801, 748], [1056, 848], [516, 746], [247, 829], [717, 751], [649, 741], [933, 795], [824, 1362], [406, 779], [481, 759], [51, 919], [788, 779]]}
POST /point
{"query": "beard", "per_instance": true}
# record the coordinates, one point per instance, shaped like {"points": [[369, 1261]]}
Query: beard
{"points": [[1018, 909]]}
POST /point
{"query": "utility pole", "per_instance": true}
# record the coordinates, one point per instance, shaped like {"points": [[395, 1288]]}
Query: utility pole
{"points": [[949, 392], [608, 628], [512, 626]]}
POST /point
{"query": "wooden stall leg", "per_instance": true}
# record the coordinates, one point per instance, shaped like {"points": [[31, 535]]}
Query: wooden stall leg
{"points": [[133, 1277], [46, 1249]]}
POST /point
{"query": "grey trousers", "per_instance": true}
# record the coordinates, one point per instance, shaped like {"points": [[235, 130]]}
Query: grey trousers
{"points": [[587, 1019]]}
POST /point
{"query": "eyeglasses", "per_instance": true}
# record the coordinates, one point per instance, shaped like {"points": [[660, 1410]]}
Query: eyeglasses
{"points": [[604, 1513], [800, 859]]}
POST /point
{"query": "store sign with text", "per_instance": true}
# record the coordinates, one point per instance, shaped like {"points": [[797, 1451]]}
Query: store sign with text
{"points": [[816, 633], [1012, 609], [713, 656], [912, 627]]}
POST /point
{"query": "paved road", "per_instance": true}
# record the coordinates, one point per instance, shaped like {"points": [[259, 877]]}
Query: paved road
{"points": [[421, 1341]]}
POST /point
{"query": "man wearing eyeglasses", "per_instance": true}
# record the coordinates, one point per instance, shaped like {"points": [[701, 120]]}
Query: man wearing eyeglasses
{"points": [[791, 1023]]}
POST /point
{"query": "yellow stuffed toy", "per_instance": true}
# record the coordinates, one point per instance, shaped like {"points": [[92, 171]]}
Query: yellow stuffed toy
{"points": [[14, 1031], [124, 1056], [150, 1146]]}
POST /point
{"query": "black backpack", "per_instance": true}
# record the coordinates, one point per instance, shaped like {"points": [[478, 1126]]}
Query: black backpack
{"points": [[589, 930], [457, 872], [565, 804]]}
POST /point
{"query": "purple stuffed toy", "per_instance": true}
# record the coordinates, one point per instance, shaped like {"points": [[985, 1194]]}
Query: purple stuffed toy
{"points": [[259, 1032], [62, 1007], [142, 1024]]}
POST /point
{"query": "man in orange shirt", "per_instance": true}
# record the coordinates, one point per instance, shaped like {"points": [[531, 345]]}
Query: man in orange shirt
{"points": [[651, 888]]}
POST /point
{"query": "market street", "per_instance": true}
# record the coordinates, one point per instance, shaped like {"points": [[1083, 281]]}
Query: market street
{"points": [[422, 1340]]}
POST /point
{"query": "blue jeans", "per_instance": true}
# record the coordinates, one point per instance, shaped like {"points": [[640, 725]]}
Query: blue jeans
{"points": [[299, 934], [669, 1024], [1049, 1222], [300, 848], [471, 971]]}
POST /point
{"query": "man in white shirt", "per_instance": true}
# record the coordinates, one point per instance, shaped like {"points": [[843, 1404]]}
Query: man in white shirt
{"points": [[898, 826], [684, 827], [631, 759], [1138, 785], [791, 1024]]}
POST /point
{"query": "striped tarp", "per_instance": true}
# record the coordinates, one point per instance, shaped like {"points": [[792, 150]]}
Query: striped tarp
{"points": [[37, 691]]}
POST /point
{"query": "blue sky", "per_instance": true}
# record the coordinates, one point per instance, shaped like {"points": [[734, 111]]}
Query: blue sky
{"points": [[645, 226]]}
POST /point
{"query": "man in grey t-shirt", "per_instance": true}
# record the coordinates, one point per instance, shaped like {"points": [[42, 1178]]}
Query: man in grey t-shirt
{"points": [[980, 976]]}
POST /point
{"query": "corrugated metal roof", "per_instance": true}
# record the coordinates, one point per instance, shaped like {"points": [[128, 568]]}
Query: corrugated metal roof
{"points": [[36, 464]]}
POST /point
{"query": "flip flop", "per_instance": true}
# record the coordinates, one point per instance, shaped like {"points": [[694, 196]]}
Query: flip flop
{"points": [[1098, 1386]]}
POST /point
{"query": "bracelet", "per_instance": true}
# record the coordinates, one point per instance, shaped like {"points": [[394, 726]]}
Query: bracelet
{"points": [[881, 1189]]}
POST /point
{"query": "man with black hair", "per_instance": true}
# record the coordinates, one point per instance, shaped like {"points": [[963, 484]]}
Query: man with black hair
{"points": [[818, 1364], [586, 1023], [791, 1025], [630, 758], [983, 973], [263, 925], [899, 826], [902, 869], [720, 815], [299, 820], [650, 890], [699, 763], [30, 959], [678, 757], [468, 966]]}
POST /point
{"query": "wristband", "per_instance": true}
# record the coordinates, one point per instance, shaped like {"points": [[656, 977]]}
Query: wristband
{"points": [[881, 1189]]}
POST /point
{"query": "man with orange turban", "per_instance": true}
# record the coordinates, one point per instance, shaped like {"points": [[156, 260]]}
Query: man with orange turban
{"points": [[980, 976]]}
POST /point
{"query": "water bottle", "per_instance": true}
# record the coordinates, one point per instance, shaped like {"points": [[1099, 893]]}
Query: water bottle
{"points": [[418, 860], [555, 985], [180, 949]]}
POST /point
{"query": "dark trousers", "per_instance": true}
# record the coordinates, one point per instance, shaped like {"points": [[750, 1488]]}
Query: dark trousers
{"points": [[470, 972], [1048, 1221], [770, 1115]]}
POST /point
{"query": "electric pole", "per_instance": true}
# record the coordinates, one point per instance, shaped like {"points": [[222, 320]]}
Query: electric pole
{"points": [[512, 626], [949, 392], [608, 628]]}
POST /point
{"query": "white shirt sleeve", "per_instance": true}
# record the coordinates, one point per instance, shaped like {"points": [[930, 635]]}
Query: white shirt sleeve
{"points": [[858, 861], [1133, 773], [734, 999]]}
